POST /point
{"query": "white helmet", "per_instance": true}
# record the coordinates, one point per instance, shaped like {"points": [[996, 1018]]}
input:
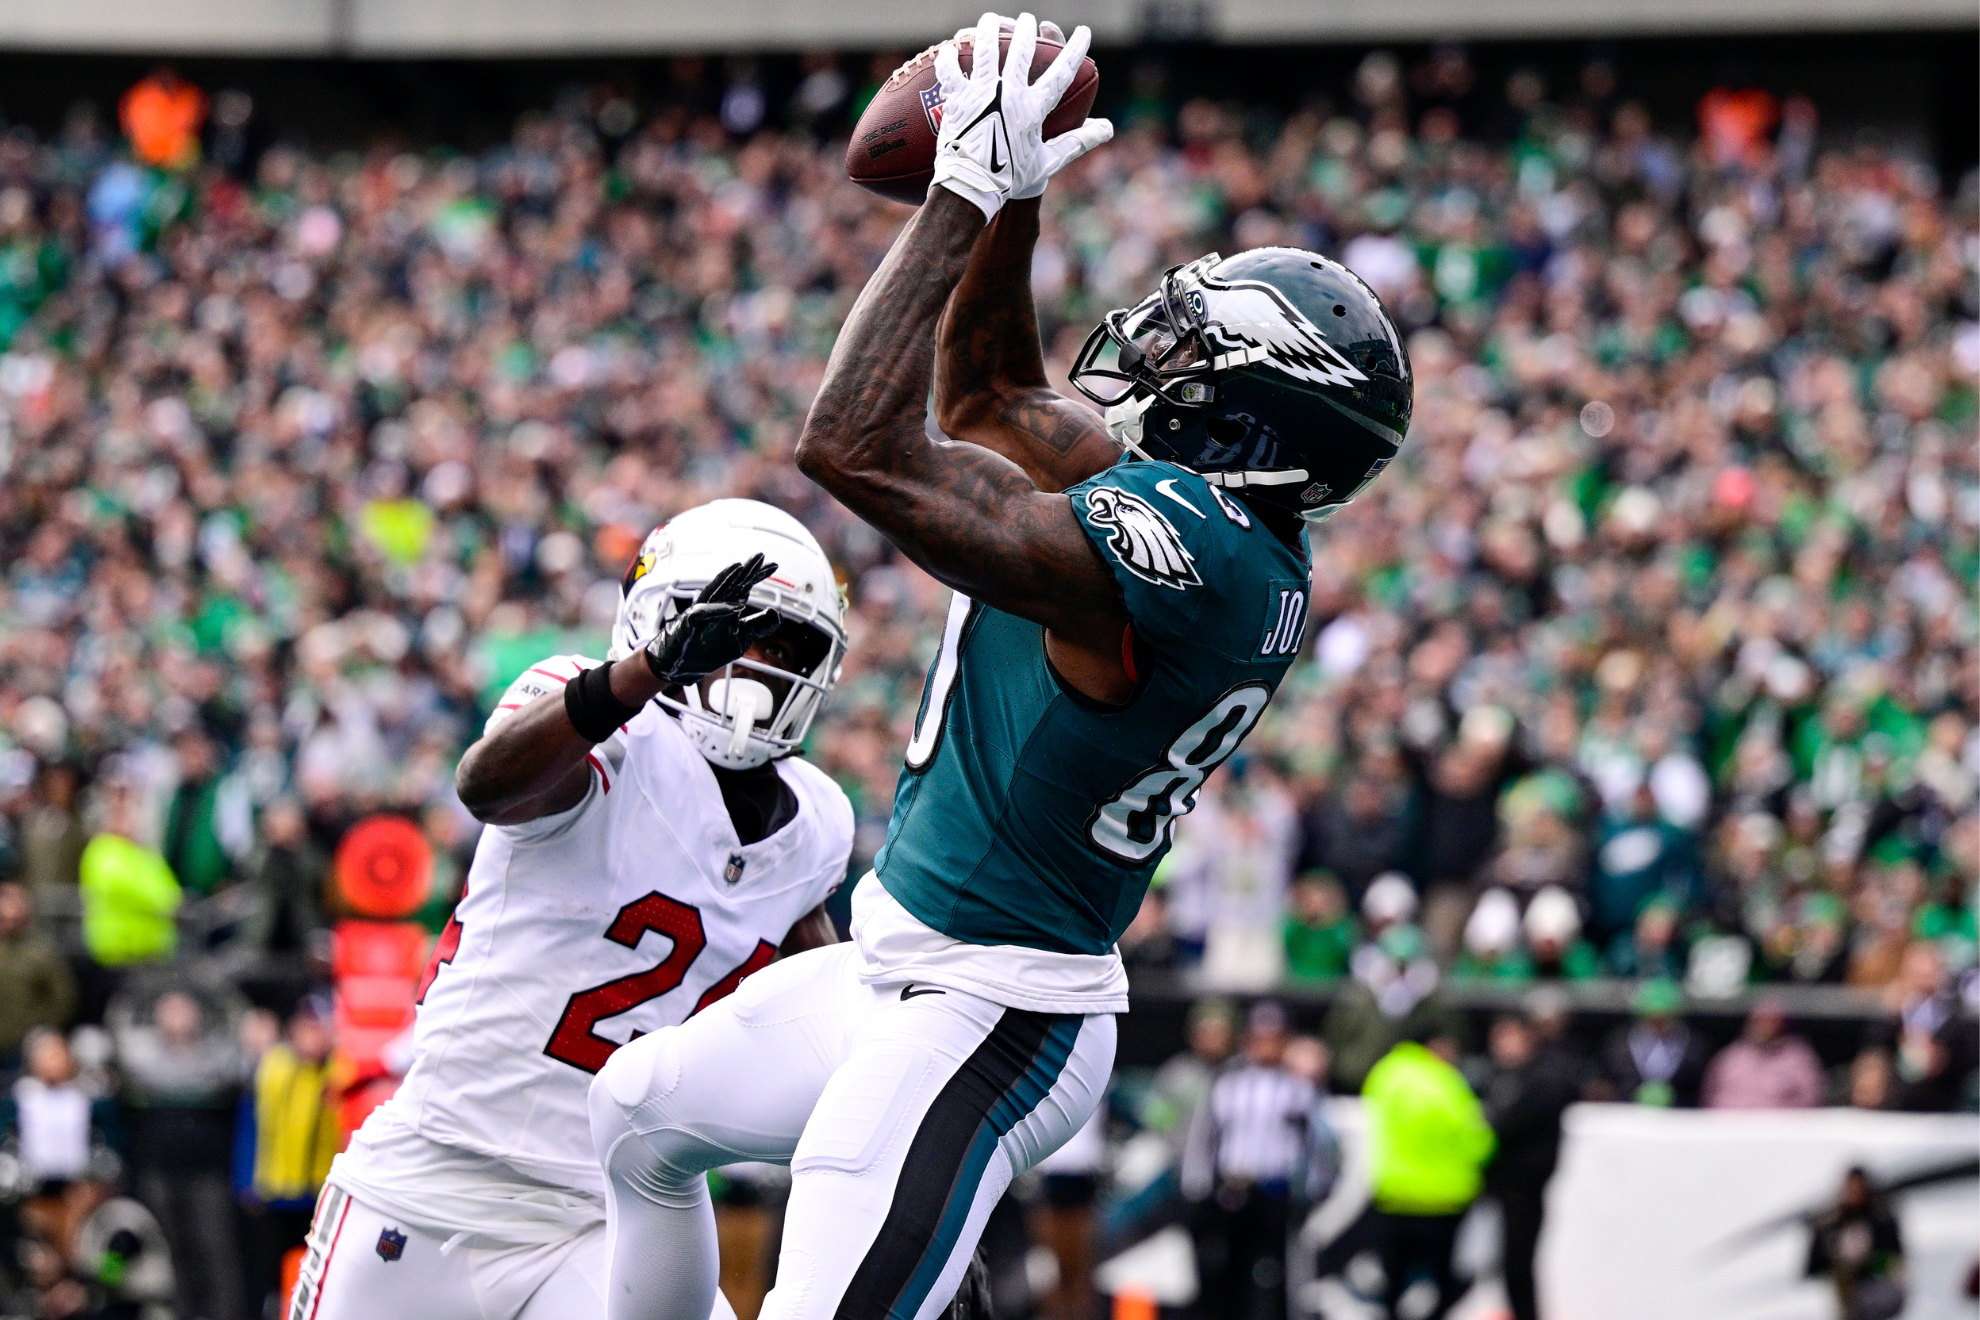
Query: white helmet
{"points": [[740, 725]]}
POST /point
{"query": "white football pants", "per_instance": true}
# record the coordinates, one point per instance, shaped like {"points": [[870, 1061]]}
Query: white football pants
{"points": [[903, 1110], [345, 1275], [362, 1264]]}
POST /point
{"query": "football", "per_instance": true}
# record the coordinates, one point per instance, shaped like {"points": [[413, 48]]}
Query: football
{"points": [[892, 150]]}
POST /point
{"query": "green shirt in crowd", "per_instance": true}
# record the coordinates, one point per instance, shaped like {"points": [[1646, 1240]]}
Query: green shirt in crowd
{"points": [[1316, 953], [192, 837]]}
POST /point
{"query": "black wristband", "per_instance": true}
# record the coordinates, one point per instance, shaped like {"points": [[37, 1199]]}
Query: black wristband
{"points": [[593, 711]]}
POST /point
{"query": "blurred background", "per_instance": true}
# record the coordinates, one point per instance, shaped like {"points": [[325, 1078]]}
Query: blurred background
{"points": [[1596, 901]]}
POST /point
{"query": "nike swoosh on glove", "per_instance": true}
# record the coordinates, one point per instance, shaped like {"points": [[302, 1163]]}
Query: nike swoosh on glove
{"points": [[716, 629], [1028, 104], [973, 148]]}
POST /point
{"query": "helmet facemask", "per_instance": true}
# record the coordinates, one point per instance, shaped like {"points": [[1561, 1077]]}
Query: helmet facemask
{"points": [[1156, 347], [735, 716], [741, 721]]}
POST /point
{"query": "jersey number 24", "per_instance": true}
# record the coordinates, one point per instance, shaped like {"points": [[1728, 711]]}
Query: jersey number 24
{"points": [[576, 1040]]}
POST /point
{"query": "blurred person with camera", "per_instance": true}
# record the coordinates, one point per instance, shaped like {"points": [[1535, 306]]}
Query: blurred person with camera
{"points": [[119, 1267], [182, 1070], [1856, 1243]]}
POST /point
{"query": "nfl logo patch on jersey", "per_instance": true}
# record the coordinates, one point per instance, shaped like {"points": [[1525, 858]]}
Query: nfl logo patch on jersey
{"points": [[931, 105], [733, 872], [391, 1244]]}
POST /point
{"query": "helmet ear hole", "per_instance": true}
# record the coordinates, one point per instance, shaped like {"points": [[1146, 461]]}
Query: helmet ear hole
{"points": [[1226, 430]]}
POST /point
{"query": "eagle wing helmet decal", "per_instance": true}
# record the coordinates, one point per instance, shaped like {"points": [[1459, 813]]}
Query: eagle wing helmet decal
{"points": [[1146, 542], [1246, 322]]}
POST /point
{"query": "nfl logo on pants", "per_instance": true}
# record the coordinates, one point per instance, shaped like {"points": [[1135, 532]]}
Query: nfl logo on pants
{"points": [[391, 1244]]}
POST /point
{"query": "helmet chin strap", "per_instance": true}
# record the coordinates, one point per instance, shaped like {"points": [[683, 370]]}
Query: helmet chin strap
{"points": [[1124, 419], [1243, 477]]}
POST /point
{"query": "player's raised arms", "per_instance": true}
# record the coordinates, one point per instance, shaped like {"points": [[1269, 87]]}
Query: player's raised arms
{"points": [[990, 383], [969, 516]]}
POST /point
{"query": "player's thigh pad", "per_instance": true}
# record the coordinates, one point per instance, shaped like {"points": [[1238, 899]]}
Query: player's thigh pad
{"points": [[576, 1288], [362, 1264], [942, 1101], [738, 1080]]}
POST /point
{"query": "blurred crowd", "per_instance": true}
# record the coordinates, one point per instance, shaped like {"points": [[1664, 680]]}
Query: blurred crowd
{"points": [[1448, 1121], [1653, 657]]}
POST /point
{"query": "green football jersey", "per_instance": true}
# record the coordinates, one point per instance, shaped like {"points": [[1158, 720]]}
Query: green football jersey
{"points": [[1029, 814]]}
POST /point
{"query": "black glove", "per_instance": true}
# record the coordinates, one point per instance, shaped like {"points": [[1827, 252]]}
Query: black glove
{"points": [[716, 629]]}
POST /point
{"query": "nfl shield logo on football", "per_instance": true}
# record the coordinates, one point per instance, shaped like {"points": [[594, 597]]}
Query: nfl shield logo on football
{"points": [[931, 105], [391, 1244]]}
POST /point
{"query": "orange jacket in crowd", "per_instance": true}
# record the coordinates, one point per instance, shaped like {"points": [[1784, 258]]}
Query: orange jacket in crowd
{"points": [[1738, 124], [162, 116]]}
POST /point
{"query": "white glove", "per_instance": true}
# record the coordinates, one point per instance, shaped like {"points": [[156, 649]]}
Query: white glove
{"points": [[973, 148], [1028, 104], [1046, 28]]}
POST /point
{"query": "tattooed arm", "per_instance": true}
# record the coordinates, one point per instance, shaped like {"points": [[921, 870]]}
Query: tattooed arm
{"points": [[970, 517], [990, 386]]}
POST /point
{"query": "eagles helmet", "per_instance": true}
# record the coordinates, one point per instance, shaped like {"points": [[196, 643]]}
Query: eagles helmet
{"points": [[1275, 375]]}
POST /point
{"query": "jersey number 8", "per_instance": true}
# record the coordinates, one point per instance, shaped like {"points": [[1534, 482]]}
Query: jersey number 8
{"points": [[1134, 824]]}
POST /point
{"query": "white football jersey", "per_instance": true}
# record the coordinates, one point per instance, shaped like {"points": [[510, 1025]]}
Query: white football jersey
{"points": [[629, 912]]}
